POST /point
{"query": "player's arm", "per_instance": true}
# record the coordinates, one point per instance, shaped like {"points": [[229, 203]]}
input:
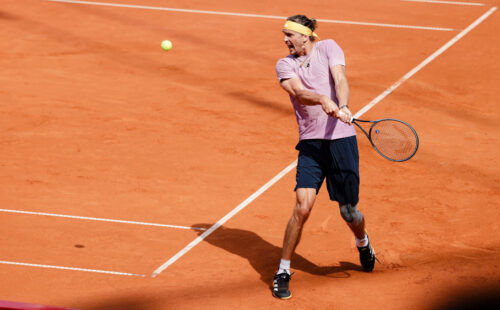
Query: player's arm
{"points": [[341, 87], [295, 88]]}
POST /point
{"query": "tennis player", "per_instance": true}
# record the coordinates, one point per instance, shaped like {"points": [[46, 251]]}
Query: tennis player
{"points": [[314, 77]]}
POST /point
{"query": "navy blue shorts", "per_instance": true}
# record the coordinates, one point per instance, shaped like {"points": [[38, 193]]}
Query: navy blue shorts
{"points": [[337, 161]]}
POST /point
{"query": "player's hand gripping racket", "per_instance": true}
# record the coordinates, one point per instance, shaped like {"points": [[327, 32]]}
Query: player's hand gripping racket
{"points": [[391, 138]]}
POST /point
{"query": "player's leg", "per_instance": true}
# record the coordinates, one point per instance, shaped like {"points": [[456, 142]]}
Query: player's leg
{"points": [[354, 219], [301, 212], [343, 186], [356, 222], [309, 178]]}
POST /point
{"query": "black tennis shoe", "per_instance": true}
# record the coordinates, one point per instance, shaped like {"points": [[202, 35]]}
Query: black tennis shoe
{"points": [[280, 286], [367, 257]]}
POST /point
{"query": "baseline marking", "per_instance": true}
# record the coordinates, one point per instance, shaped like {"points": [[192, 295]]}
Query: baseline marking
{"points": [[73, 268], [100, 219], [447, 2], [292, 165], [248, 15]]}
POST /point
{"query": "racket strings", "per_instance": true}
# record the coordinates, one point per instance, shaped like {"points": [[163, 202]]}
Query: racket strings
{"points": [[394, 139]]}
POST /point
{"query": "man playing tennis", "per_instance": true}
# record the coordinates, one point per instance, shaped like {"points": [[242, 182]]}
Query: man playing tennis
{"points": [[314, 76]]}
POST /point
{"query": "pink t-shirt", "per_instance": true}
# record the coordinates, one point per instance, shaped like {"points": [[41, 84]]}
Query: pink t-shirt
{"points": [[314, 73]]}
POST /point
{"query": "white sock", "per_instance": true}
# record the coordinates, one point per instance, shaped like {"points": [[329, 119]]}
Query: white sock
{"points": [[284, 266], [362, 242]]}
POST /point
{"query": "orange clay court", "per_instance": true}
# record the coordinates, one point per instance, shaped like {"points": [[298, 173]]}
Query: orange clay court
{"points": [[135, 178]]}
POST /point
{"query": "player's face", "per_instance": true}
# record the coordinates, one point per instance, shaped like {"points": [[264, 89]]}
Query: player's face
{"points": [[295, 42]]}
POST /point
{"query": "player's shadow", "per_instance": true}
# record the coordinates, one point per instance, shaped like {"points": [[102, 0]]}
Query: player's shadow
{"points": [[264, 257]]}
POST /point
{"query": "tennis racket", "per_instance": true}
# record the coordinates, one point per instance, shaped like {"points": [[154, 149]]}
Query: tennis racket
{"points": [[395, 140]]}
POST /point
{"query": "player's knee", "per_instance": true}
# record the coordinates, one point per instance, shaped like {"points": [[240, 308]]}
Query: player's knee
{"points": [[302, 213], [351, 214]]}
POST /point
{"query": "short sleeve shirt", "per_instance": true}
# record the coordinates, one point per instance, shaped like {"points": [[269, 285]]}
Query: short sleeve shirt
{"points": [[313, 70]]}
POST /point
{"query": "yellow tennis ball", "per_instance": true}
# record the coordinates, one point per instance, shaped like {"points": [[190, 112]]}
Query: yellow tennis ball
{"points": [[166, 45]]}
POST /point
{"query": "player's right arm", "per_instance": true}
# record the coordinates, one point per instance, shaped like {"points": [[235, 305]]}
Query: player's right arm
{"points": [[294, 87]]}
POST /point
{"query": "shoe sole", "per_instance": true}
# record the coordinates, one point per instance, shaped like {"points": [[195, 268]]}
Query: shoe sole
{"points": [[284, 298]]}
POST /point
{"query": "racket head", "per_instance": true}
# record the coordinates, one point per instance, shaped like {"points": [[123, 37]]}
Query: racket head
{"points": [[393, 139]]}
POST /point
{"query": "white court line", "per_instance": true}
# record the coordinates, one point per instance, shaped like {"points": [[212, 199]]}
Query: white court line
{"points": [[447, 2], [100, 219], [292, 165], [424, 63], [73, 268], [248, 15], [221, 222]]}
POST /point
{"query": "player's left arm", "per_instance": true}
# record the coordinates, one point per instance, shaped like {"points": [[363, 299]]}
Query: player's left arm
{"points": [[341, 87]]}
